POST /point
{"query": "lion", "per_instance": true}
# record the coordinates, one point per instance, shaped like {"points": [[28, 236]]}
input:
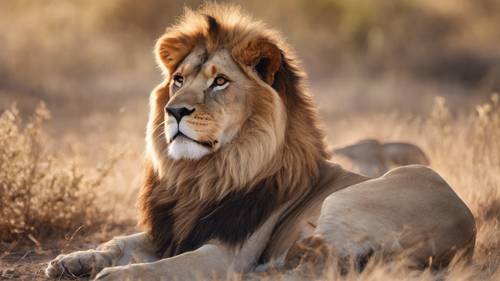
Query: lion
{"points": [[237, 172], [372, 158]]}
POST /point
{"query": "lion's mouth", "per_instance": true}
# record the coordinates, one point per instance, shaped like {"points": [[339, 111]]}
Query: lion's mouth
{"points": [[209, 145]]}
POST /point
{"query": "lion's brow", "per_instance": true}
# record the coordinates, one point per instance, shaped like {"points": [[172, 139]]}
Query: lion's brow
{"points": [[191, 67], [202, 59]]}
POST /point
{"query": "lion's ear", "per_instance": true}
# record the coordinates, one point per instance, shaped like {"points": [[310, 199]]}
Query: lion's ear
{"points": [[264, 57], [170, 50]]}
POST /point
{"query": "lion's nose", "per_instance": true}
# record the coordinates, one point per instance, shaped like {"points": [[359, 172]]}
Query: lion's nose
{"points": [[178, 112]]}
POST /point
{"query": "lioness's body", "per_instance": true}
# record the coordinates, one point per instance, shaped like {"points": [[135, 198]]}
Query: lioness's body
{"points": [[237, 172]]}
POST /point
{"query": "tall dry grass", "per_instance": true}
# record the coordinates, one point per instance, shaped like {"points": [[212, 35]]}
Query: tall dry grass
{"points": [[43, 192]]}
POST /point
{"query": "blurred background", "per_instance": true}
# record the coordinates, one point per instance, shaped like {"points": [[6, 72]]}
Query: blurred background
{"points": [[85, 57]]}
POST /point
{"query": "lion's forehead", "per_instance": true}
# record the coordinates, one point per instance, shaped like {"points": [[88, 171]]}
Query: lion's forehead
{"points": [[199, 61], [193, 61]]}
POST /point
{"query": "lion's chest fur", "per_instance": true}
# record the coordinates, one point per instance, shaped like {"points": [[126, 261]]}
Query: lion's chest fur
{"points": [[178, 224]]}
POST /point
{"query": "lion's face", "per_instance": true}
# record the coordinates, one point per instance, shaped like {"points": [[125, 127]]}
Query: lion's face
{"points": [[207, 106], [211, 98]]}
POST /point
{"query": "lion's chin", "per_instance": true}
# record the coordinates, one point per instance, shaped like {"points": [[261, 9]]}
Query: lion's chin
{"points": [[183, 148]]}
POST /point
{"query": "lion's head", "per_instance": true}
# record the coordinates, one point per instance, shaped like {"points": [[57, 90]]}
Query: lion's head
{"points": [[232, 109]]}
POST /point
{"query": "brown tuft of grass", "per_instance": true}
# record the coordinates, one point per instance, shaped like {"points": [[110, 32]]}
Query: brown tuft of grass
{"points": [[43, 192]]}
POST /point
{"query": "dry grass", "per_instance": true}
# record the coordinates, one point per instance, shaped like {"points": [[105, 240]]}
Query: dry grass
{"points": [[43, 193]]}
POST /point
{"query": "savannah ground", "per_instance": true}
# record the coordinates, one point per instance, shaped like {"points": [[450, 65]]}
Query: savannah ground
{"points": [[70, 169]]}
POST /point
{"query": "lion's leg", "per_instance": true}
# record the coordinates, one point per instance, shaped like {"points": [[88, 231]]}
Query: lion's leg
{"points": [[215, 260], [209, 262], [123, 250]]}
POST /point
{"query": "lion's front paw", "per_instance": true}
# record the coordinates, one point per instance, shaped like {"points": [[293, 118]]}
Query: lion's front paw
{"points": [[77, 264]]}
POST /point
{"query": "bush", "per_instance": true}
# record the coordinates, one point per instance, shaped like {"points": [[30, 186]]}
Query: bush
{"points": [[42, 193]]}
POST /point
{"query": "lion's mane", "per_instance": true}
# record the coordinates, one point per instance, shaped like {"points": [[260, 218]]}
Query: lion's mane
{"points": [[226, 195]]}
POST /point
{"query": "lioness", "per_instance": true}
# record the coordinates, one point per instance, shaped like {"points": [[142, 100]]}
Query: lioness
{"points": [[237, 171], [372, 158]]}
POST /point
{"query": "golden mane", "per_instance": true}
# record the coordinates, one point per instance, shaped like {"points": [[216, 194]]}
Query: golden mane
{"points": [[290, 170]]}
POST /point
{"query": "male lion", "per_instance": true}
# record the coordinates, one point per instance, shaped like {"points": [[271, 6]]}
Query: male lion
{"points": [[237, 171]]}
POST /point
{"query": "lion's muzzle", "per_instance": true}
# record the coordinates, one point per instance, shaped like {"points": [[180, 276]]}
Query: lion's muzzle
{"points": [[188, 132]]}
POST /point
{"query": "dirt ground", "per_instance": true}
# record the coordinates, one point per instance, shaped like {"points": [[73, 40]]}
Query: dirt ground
{"points": [[28, 262]]}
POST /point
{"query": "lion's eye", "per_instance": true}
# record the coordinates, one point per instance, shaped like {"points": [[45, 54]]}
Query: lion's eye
{"points": [[178, 80], [220, 83]]}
